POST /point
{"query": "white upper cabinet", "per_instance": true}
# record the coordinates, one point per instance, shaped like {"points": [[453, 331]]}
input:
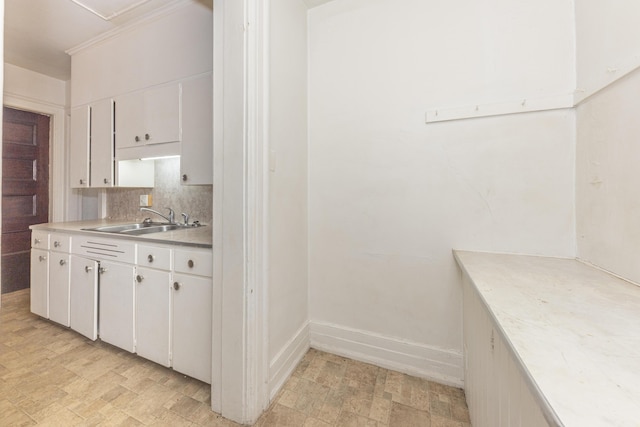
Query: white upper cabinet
{"points": [[150, 116], [79, 146], [91, 143], [102, 149], [196, 157]]}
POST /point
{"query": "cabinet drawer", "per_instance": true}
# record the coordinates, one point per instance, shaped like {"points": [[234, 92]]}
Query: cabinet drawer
{"points": [[39, 239], [60, 242], [104, 249], [193, 261], [154, 257]]}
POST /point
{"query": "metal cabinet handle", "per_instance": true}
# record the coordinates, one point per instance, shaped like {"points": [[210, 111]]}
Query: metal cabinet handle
{"points": [[42, 258], [139, 278], [185, 177], [106, 180], [190, 263], [102, 270], [176, 285], [150, 258], [62, 262], [56, 244], [82, 182], [137, 138], [87, 268], [147, 136], [36, 241]]}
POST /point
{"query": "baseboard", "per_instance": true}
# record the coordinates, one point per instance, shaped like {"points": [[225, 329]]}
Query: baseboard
{"points": [[284, 363], [440, 365]]}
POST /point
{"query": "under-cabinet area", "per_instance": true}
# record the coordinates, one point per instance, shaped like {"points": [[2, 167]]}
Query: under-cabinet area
{"points": [[146, 296]]}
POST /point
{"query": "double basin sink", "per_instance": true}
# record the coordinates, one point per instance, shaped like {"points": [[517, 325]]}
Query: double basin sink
{"points": [[137, 229]]}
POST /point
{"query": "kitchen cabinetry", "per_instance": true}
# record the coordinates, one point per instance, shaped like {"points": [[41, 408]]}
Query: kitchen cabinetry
{"points": [[83, 296], [59, 276], [196, 148], [192, 293], [92, 145], [116, 304], [151, 116], [39, 291], [152, 299], [153, 304]]}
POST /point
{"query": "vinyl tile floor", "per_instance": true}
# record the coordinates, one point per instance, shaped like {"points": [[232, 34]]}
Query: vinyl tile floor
{"points": [[50, 375]]}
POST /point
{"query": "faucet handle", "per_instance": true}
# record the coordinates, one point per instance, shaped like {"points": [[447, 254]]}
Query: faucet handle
{"points": [[186, 218], [172, 215]]}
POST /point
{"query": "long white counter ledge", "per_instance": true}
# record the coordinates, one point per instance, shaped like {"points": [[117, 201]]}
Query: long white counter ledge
{"points": [[572, 330]]}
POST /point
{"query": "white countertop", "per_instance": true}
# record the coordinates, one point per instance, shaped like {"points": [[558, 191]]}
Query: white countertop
{"points": [[575, 328], [195, 237]]}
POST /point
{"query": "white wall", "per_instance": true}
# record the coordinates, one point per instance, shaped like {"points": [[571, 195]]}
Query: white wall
{"points": [[607, 196], [607, 200], [390, 196], [605, 51], [288, 289]]}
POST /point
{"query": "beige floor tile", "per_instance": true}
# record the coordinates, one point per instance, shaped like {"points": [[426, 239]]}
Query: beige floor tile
{"points": [[49, 375]]}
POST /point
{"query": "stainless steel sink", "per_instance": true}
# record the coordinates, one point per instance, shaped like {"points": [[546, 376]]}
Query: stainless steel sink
{"points": [[137, 228]]}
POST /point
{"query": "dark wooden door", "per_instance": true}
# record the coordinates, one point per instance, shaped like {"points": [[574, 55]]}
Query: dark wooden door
{"points": [[25, 191]]}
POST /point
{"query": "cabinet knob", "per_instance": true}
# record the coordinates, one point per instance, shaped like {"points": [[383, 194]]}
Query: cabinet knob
{"points": [[139, 278], [147, 136], [56, 244], [190, 263], [62, 262], [137, 138], [82, 182], [176, 285], [102, 270], [36, 241], [42, 258], [185, 177], [106, 180], [150, 258], [87, 268]]}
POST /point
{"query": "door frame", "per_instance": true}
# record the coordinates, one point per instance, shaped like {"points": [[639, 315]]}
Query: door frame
{"points": [[57, 156]]}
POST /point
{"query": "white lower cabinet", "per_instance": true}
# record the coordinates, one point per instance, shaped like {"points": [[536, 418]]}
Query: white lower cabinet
{"points": [[83, 302], [40, 282], [192, 326], [59, 275], [116, 304], [153, 300], [153, 310]]}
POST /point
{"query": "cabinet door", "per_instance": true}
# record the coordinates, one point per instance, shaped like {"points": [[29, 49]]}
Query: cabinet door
{"points": [[191, 337], [116, 304], [79, 147], [40, 282], [153, 309], [162, 114], [129, 120], [196, 159], [83, 296], [102, 150], [59, 287]]}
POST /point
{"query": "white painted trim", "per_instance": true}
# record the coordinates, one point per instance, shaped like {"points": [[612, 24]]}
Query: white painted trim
{"points": [[441, 365], [130, 26], [285, 362], [610, 75], [525, 105], [58, 180]]}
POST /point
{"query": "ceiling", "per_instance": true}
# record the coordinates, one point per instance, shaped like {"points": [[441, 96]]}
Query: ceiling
{"points": [[38, 32]]}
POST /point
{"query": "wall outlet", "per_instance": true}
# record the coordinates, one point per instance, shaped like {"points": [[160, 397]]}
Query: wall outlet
{"points": [[145, 201]]}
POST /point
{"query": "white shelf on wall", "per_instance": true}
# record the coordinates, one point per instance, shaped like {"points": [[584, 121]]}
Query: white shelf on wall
{"points": [[525, 105]]}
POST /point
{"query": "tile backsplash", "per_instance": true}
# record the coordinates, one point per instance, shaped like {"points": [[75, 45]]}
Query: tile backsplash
{"points": [[197, 200]]}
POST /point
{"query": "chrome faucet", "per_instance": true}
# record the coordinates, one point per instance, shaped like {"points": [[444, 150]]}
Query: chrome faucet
{"points": [[171, 218]]}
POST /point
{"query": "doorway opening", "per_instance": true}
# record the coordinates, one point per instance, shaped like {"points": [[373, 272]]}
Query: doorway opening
{"points": [[25, 191]]}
